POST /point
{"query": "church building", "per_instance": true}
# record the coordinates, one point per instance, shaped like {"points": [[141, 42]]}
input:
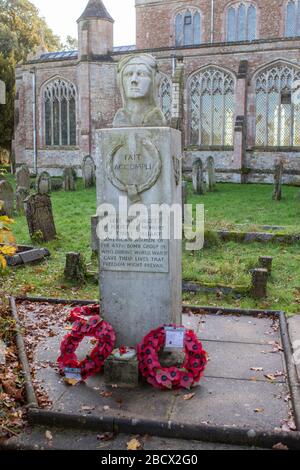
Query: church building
{"points": [[230, 71]]}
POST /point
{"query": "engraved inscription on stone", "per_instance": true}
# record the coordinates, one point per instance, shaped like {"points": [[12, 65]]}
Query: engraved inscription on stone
{"points": [[138, 256], [134, 166]]}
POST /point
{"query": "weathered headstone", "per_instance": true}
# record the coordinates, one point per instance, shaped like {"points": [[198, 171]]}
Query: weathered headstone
{"points": [[88, 172], [44, 183], [211, 174], [39, 216], [259, 283], [7, 197], [23, 177], [139, 160], [198, 177], [75, 269], [21, 195], [69, 179], [278, 174]]}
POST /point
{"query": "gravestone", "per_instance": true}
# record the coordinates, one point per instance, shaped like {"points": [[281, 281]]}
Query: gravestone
{"points": [[39, 216], [7, 197], [88, 172], [278, 174], [211, 174], [21, 195], [139, 160], [69, 179], [198, 177], [94, 237], [23, 177], [259, 283], [44, 183]]}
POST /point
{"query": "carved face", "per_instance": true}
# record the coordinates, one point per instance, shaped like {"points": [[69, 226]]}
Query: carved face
{"points": [[137, 81]]}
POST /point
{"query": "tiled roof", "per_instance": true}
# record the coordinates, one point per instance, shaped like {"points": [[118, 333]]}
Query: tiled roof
{"points": [[96, 9], [64, 55]]}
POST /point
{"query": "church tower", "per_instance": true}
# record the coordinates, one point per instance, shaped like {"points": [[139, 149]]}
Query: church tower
{"points": [[95, 31]]}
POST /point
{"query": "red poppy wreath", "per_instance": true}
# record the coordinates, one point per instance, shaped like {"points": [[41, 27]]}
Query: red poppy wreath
{"points": [[93, 327], [171, 378]]}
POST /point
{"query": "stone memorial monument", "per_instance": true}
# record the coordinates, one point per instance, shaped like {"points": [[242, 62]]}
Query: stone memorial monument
{"points": [[69, 176], [198, 177], [21, 195], [139, 161], [39, 216], [23, 177], [211, 174], [7, 198], [44, 183], [88, 172]]}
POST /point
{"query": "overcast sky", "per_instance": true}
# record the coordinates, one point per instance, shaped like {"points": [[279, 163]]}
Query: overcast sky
{"points": [[61, 16]]}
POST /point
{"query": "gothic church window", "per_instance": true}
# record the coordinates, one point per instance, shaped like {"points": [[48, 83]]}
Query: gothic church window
{"points": [[211, 108], [59, 97], [188, 28], [165, 97], [277, 117], [241, 22], [292, 26]]}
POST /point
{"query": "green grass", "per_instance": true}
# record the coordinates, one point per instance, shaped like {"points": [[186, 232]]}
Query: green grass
{"points": [[251, 204], [227, 264]]}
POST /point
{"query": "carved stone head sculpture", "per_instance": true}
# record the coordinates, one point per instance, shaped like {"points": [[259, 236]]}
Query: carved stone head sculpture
{"points": [[138, 79]]}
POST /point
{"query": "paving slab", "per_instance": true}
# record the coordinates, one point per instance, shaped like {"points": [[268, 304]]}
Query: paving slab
{"points": [[233, 403], [243, 329], [74, 439], [237, 361]]}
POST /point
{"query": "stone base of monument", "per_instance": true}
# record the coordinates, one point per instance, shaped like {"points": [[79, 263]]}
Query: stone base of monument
{"points": [[122, 370]]}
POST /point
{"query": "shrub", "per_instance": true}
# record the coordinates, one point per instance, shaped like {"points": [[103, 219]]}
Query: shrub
{"points": [[7, 240]]}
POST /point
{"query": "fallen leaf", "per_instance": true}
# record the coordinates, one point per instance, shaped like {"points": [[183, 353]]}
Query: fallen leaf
{"points": [[106, 394], [134, 444], [71, 382], [280, 446], [257, 369], [270, 377], [189, 396], [48, 436], [108, 436], [259, 410], [87, 408], [9, 387]]}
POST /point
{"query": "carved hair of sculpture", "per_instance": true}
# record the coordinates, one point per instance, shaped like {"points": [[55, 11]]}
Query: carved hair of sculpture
{"points": [[138, 80]]}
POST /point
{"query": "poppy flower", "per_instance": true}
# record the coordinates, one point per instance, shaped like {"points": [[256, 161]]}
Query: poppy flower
{"points": [[174, 374], [186, 380]]}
